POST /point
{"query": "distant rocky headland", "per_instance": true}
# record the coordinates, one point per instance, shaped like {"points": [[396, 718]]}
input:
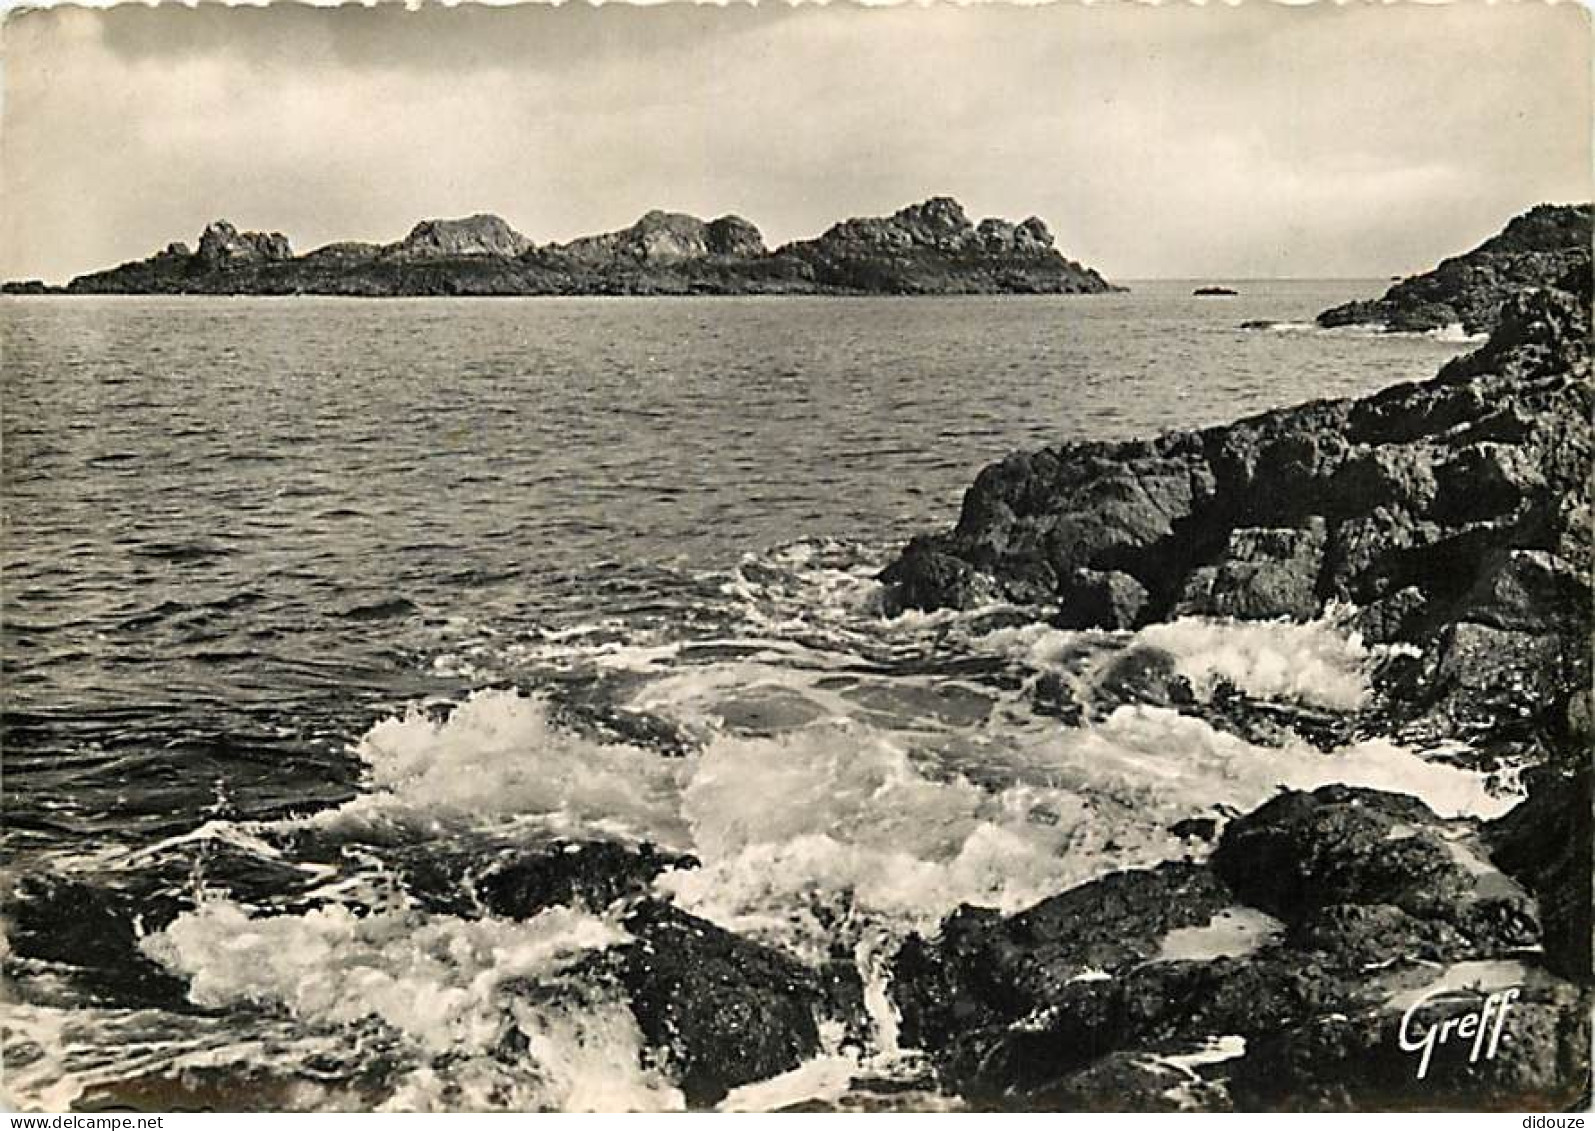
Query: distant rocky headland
{"points": [[1470, 290], [927, 248]]}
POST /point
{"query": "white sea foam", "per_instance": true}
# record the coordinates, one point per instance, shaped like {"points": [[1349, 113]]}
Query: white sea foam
{"points": [[55, 1056], [841, 812], [895, 826], [444, 984], [1454, 332], [822, 1078], [1317, 663], [498, 756], [1172, 763], [830, 802]]}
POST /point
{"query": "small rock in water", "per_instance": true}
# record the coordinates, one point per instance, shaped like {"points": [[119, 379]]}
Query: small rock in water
{"points": [[1142, 674], [593, 874], [725, 1010], [1195, 828]]}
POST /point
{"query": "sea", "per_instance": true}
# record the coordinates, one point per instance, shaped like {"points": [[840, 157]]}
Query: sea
{"points": [[303, 594]]}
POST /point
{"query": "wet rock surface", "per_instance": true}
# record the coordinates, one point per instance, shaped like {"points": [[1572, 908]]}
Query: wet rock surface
{"points": [[1354, 1061], [1374, 900], [86, 932], [593, 875], [1304, 851], [1546, 844], [723, 1010]]}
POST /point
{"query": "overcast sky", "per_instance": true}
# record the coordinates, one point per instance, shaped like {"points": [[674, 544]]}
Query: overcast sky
{"points": [[1173, 141]]}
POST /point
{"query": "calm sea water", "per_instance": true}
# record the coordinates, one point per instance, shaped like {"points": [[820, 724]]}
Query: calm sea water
{"points": [[571, 538]]}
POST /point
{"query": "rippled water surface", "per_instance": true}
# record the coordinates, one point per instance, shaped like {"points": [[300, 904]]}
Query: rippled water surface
{"points": [[615, 558]]}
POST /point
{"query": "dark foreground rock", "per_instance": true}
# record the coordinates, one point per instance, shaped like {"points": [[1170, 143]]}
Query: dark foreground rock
{"points": [[86, 932], [1546, 844], [1354, 1061], [1469, 290], [1086, 1001], [1308, 857], [927, 248], [723, 1010]]}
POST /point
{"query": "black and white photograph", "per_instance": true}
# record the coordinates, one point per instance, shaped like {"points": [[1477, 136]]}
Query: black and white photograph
{"points": [[796, 557]]}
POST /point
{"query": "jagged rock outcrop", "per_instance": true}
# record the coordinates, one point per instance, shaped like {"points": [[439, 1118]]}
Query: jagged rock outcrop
{"points": [[1534, 250], [223, 247], [928, 248], [1454, 512], [933, 248], [735, 237], [225, 257], [669, 237], [482, 234]]}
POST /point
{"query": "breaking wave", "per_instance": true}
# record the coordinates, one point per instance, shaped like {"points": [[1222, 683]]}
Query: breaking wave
{"points": [[841, 778]]}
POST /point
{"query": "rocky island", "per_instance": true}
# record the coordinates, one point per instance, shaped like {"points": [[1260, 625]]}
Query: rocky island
{"points": [[927, 248], [1470, 290]]}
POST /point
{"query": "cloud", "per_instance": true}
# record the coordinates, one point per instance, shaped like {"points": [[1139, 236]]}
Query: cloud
{"points": [[1172, 140]]}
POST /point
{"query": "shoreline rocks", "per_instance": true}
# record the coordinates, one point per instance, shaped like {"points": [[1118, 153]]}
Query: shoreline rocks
{"points": [[926, 248], [1453, 513], [1469, 290], [1358, 903]]}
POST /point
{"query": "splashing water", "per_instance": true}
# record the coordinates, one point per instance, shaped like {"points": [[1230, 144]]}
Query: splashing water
{"points": [[844, 780]]}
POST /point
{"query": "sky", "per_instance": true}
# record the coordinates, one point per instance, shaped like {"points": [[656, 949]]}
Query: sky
{"points": [[1176, 141]]}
